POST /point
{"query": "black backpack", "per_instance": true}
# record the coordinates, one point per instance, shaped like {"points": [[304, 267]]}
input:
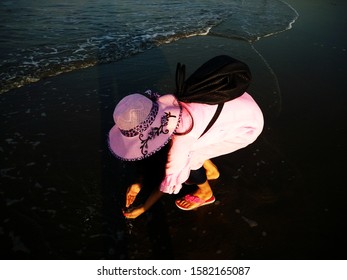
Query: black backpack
{"points": [[218, 80]]}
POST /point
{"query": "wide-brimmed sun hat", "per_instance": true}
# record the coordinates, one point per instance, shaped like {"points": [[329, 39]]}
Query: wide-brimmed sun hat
{"points": [[144, 123]]}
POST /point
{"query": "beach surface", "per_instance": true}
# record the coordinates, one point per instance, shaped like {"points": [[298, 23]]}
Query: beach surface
{"points": [[283, 197]]}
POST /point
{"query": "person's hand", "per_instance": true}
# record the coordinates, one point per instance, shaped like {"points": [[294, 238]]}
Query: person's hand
{"points": [[131, 194], [134, 213]]}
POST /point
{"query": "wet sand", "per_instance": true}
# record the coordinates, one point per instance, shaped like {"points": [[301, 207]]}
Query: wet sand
{"points": [[280, 198]]}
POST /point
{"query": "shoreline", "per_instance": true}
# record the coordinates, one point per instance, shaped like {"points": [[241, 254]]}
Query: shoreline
{"points": [[83, 65], [166, 57]]}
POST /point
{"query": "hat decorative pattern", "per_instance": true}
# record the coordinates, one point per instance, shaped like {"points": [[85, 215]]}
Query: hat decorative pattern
{"points": [[144, 125], [152, 95], [155, 131]]}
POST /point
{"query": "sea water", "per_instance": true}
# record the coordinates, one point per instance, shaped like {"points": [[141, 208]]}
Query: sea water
{"points": [[45, 38]]}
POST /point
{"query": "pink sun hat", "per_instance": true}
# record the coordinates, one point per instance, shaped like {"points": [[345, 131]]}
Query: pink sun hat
{"points": [[143, 125]]}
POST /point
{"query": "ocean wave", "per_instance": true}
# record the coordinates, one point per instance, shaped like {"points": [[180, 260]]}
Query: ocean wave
{"points": [[74, 36]]}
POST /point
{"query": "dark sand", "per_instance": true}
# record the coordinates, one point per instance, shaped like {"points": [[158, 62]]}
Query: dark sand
{"points": [[282, 197]]}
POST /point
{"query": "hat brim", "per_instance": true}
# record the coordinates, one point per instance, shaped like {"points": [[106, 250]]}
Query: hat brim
{"points": [[151, 140]]}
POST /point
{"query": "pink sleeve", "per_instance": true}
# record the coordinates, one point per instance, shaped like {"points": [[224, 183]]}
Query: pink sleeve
{"points": [[178, 164], [179, 157]]}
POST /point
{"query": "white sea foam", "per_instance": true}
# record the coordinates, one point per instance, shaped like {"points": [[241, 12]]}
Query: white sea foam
{"points": [[93, 35], [295, 11], [289, 26]]}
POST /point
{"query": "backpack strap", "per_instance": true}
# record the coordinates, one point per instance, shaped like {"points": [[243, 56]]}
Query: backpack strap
{"points": [[180, 77], [214, 118]]}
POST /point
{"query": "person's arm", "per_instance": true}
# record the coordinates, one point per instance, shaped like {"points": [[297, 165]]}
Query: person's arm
{"points": [[177, 166], [153, 198]]}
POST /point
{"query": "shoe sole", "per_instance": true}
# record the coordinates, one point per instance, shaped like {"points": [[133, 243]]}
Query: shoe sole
{"points": [[211, 200]]}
